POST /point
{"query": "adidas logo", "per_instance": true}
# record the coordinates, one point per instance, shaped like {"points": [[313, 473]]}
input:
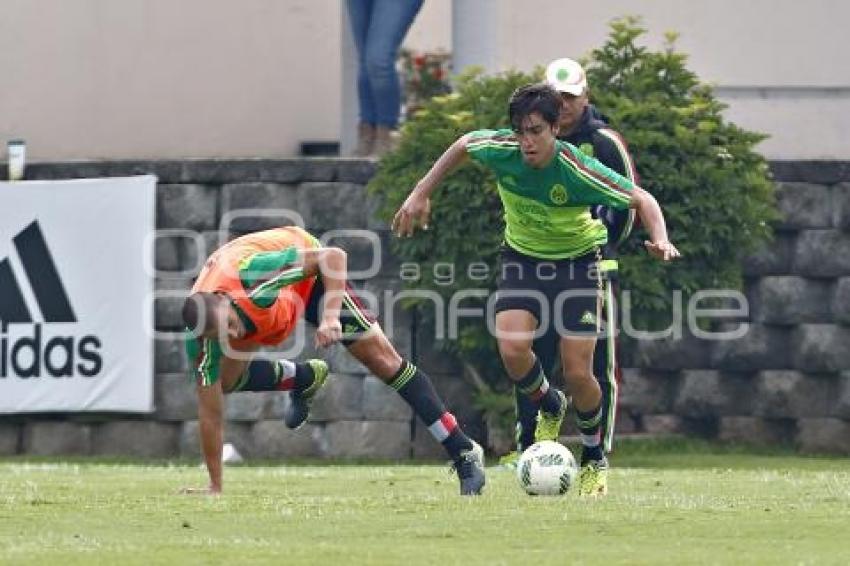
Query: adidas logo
{"points": [[43, 277], [60, 356]]}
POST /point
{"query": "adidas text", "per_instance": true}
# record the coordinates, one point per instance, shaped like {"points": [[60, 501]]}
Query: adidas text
{"points": [[35, 355]]}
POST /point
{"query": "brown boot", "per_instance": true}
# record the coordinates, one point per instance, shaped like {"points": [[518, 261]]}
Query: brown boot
{"points": [[365, 140], [386, 140]]}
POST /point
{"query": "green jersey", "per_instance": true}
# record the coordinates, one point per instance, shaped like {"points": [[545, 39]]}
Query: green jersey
{"points": [[546, 210]]}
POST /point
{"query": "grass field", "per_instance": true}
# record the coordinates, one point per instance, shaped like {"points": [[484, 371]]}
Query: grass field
{"points": [[671, 502]]}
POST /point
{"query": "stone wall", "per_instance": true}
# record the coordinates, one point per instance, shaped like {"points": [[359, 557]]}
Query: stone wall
{"points": [[355, 416], [786, 382]]}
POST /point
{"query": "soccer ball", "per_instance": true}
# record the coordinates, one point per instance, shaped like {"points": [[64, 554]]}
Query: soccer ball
{"points": [[546, 468]]}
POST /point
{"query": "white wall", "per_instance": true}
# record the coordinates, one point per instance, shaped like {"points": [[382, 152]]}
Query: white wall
{"points": [[221, 78], [432, 28], [168, 78], [430, 31], [780, 64]]}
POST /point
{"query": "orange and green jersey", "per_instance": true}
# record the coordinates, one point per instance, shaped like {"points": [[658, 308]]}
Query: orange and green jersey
{"points": [[265, 282], [261, 275], [546, 209]]}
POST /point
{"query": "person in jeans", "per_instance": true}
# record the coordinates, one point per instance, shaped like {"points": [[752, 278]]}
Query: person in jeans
{"points": [[379, 27]]}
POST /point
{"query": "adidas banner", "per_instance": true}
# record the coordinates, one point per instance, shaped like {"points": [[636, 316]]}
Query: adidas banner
{"points": [[74, 287]]}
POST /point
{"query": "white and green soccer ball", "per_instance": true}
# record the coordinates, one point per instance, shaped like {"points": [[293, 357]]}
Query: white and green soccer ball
{"points": [[546, 468]]}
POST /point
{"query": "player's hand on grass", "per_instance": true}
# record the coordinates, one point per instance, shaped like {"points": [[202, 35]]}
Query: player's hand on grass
{"points": [[415, 210], [209, 490], [329, 332], [665, 251]]}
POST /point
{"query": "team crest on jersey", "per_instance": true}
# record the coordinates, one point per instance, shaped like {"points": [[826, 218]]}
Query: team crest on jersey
{"points": [[558, 194], [588, 318], [587, 149]]}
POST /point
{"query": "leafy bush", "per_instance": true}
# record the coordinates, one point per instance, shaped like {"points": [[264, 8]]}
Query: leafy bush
{"points": [[712, 185]]}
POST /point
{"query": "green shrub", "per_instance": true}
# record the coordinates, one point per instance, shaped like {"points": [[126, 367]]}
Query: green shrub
{"points": [[712, 185]]}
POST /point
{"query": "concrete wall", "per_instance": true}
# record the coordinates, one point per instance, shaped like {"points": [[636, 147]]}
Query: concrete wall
{"points": [[787, 381], [155, 78], [778, 64], [354, 416], [98, 79], [137, 79]]}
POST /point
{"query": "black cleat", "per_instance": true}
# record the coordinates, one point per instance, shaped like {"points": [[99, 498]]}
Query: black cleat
{"points": [[298, 409], [470, 470]]}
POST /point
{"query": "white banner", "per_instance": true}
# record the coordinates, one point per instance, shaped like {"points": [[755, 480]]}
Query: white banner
{"points": [[73, 289]]}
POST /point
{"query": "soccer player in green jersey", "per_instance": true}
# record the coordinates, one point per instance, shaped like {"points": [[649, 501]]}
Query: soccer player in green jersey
{"points": [[582, 125], [549, 271]]}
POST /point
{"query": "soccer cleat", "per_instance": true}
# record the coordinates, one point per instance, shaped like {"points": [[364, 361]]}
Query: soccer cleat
{"points": [[509, 460], [593, 478], [549, 426], [296, 411], [470, 470]]}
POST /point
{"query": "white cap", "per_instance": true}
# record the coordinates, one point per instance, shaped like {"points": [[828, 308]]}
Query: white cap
{"points": [[565, 75]]}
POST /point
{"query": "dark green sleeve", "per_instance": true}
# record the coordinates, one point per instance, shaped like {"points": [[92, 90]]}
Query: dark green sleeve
{"points": [[264, 274]]}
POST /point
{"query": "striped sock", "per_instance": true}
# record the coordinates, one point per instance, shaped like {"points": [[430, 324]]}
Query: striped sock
{"points": [[417, 390], [535, 386], [591, 438]]}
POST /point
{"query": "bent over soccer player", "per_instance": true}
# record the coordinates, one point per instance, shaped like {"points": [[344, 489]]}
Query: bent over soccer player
{"points": [[250, 293], [549, 261]]}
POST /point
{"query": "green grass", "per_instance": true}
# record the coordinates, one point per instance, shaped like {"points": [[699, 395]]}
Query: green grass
{"points": [[671, 502]]}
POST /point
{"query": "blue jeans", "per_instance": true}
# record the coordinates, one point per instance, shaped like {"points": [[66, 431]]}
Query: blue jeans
{"points": [[379, 26]]}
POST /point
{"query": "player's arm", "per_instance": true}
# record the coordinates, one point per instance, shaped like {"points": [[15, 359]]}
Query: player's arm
{"points": [[332, 265], [264, 274], [601, 185], [653, 220], [417, 207], [206, 360], [211, 430], [211, 427]]}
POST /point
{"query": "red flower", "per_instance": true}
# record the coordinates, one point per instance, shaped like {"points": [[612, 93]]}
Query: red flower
{"points": [[419, 61]]}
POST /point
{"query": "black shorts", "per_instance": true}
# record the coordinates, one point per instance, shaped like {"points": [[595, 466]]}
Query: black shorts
{"points": [[562, 294], [354, 317]]}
